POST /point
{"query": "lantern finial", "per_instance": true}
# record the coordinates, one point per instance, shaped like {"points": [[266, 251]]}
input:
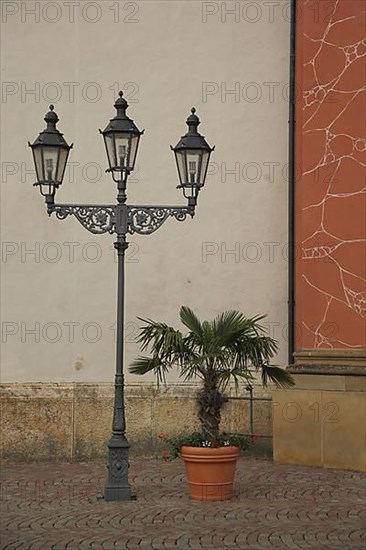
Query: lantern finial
{"points": [[193, 122], [121, 105], [51, 118]]}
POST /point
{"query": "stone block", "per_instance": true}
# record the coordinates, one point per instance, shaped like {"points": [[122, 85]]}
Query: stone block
{"points": [[329, 430], [319, 382], [296, 427], [344, 430], [36, 429], [356, 383]]}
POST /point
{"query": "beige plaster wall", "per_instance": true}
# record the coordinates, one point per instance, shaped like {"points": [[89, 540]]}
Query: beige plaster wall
{"points": [[167, 56]]}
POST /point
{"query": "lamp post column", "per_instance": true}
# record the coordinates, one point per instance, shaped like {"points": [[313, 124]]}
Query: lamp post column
{"points": [[117, 487]]}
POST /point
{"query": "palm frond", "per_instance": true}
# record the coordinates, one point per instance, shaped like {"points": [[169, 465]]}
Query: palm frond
{"points": [[142, 365], [225, 325], [192, 369], [191, 321], [234, 374], [230, 326], [277, 375], [257, 349], [161, 337]]}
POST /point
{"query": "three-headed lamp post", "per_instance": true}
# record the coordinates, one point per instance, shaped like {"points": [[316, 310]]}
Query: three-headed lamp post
{"points": [[121, 138]]}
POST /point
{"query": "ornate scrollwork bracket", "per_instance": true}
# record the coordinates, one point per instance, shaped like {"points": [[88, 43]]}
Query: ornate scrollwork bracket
{"points": [[97, 219], [121, 218], [147, 219]]}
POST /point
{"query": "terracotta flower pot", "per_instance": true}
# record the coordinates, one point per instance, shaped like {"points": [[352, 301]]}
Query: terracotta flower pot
{"points": [[210, 471]]}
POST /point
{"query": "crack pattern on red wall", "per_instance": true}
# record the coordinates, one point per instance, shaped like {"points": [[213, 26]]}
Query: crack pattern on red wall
{"points": [[331, 150]]}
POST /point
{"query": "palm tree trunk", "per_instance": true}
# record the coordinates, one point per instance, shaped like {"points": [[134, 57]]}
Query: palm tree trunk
{"points": [[210, 401]]}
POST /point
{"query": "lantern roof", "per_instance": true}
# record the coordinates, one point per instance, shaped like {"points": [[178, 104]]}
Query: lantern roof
{"points": [[121, 122], [51, 136], [192, 139]]}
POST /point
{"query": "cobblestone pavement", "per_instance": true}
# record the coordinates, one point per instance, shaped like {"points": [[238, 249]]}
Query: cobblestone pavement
{"points": [[56, 506]]}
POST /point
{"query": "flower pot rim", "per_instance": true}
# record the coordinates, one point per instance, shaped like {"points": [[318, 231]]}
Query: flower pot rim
{"points": [[229, 448]]}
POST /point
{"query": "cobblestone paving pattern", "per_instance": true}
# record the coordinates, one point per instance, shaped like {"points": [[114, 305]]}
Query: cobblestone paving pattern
{"points": [[56, 506]]}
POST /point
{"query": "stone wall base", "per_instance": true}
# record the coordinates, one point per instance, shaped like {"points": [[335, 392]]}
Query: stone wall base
{"points": [[322, 420], [66, 422]]}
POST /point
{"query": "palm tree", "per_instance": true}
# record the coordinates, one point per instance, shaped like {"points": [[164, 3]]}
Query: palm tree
{"points": [[216, 352]]}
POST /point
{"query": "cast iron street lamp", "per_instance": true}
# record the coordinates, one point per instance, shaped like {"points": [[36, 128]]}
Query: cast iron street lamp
{"points": [[121, 138]]}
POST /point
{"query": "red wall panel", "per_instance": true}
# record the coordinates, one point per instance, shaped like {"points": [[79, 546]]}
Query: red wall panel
{"points": [[330, 210]]}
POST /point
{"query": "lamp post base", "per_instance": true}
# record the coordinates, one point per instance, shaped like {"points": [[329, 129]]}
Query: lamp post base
{"points": [[117, 487], [118, 494]]}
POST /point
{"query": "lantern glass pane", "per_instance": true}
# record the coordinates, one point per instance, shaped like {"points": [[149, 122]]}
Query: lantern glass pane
{"points": [[111, 151], [193, 166], [62, 164], [204, 166], [134, 142], [37, 156], [47, 189], [190, 191], [181, 165], [50, 158]]}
